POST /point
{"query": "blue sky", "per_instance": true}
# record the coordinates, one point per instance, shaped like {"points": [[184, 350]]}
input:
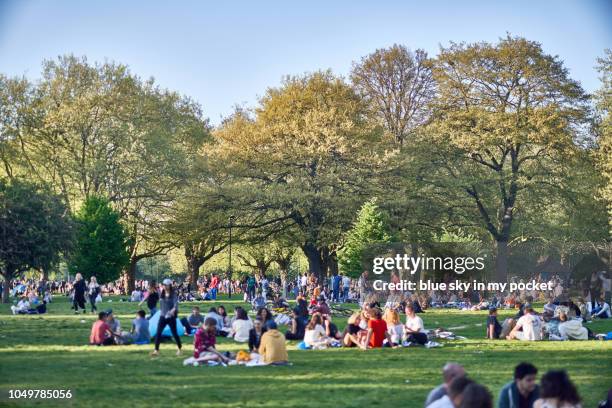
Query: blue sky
{"points": [[227, 54]]}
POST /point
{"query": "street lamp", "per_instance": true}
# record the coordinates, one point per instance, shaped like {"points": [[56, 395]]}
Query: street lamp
{"points": [[229, 289]]}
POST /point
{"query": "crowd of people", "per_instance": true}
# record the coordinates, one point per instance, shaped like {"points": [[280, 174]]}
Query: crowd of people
{"points": [[555, 390]]}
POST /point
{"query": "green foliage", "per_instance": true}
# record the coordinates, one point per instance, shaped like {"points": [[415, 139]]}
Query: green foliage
{"points": [[371, 227], [101, 241], [35, 228]]}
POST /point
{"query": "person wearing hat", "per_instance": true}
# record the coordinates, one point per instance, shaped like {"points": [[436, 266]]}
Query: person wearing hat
{"points": [[168, 303]]}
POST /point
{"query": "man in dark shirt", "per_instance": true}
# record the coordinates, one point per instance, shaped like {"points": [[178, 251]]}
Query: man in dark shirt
{"points": [[523, 391], [493, 326]]}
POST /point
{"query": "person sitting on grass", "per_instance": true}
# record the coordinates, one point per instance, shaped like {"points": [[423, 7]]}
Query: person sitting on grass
{"points": [[454, 396], [272, 347], [101, 334], [414, 329], [476, 396], [204, 343], [377, 330], [255, 335], [241, 326], [140, 329], [558, 391], [493, 327], [572, 329], [113, 323], [315, 334], [213, 314], [531, 326], [353, 335], [266, 317], [322, 307], [297, 328], [193, 321], [523, 391], [394, 327], [602, 310], [450, 371], [259, 302]]}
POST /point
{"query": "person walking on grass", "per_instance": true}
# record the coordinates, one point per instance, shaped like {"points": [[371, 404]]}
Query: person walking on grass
{"points": [[168, 303], [93, 290], [79, 287]]}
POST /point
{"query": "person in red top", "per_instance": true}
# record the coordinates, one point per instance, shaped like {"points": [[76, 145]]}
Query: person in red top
{"points": [[204, 343], [214, 283], [377, 330], [101, 334]]}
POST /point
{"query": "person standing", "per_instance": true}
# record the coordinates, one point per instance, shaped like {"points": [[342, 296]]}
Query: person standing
{"points": [[168, 303], [214, 284], [152, 298], [93, 290], [79, 288]]}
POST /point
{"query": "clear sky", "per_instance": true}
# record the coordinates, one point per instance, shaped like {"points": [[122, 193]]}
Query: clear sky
{"points": [[226, 53]]}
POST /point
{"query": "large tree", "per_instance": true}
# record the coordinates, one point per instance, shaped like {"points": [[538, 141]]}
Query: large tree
{"points": [[398, 86], [304, 160], [35, 229], [97, 129], [101, 243], [507, 120]]}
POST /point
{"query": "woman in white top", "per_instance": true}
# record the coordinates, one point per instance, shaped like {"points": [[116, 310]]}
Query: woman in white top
{"points": [[315, 335], [241, 326], [394, 327], [93, 290]]}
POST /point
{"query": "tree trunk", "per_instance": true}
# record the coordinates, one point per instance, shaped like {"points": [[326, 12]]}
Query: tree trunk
{"points": [[130, 276], [313, 254], [193, 268], [6, 290], [501, 261]]}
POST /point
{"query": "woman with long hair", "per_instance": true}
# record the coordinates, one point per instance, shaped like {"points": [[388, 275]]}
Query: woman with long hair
{"points": [[315, 334], [79, 288], [93, 289], [557, 391], [168, 302]]}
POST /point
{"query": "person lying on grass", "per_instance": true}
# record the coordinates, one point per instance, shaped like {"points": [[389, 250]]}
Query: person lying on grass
{"points": [[204, 343]]}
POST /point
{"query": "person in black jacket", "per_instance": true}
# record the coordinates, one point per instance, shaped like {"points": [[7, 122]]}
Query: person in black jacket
{"points": [[80, 287], [255, 335]]}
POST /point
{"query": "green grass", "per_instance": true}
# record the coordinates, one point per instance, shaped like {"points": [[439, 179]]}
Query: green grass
{"points": [[48, 352]]}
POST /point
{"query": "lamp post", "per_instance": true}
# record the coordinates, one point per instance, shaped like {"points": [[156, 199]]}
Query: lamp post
{"points": [[229, 269]]}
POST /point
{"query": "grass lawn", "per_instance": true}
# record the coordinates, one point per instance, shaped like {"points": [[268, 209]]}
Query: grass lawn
{"points": [[48, 352]]}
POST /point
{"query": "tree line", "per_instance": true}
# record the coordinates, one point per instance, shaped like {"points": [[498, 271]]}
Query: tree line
{"points": [[491, 140]]}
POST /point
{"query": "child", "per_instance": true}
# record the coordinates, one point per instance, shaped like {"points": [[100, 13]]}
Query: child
{"points": [[204, 343], [493, 327]]}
